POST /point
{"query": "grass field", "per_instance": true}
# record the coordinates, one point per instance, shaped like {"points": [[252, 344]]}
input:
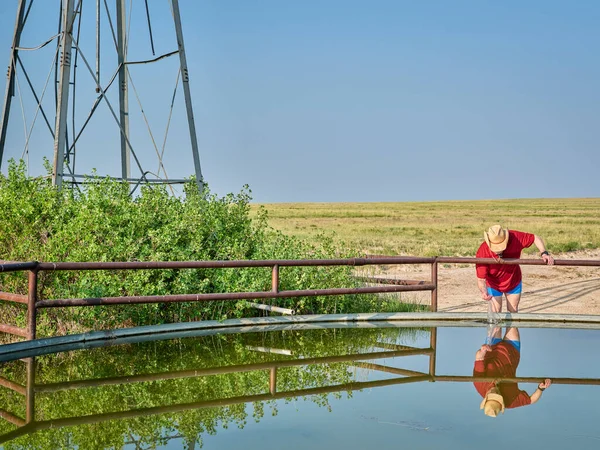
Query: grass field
{"points": [[440, 228]]}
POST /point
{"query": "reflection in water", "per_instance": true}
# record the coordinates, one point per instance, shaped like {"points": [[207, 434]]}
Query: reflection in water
{"points": [[148, 394], [499, 359]]}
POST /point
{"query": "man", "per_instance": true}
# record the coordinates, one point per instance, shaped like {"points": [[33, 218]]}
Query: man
{"points": [[500, 360], [496, 280]]}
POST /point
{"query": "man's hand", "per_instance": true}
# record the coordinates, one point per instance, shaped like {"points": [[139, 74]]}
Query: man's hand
{"points": [[482, 285], [545, 384], [548, 259], [481, 352]]}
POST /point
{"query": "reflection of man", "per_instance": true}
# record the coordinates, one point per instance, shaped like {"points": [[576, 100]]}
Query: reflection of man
{"points": [[500, 360]]}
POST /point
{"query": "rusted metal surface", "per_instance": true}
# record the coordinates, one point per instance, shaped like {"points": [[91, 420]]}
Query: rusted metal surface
{"points": [[385, 284], [9, 417], [202, 372], [17, 266], [559, 380], [387, 369], [434, 281], [275, 278], [31, 304], [223, 402], [527, 262], [394, 281], [225, 296], [19, 388], [10, 329], [137, 265], [17, 298]]}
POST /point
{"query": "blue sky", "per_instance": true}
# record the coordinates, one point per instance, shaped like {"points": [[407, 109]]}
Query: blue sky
{"points": [[347, 101]]}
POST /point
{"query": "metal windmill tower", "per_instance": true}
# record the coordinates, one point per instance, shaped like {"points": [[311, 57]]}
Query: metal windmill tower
{"points": [[95, 90]]}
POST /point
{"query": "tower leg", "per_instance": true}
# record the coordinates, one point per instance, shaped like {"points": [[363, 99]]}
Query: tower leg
{"points": [[123, 88], [10, 76], [62, 107], [186, 92]]}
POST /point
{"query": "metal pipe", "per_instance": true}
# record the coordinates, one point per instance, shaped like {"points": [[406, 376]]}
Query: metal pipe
{"points": [[18, 298], [19, 388], [31, 307], [222, 402], [194, 373], [9, 417], [275, 278], [15, 266], [528, 262], [30, 394], [394, 281], [277, 309], [273, 381], [433, 345], [232, 263], [387, 369], [434, 281], [10, 329], [224, 296], [468, 379]]}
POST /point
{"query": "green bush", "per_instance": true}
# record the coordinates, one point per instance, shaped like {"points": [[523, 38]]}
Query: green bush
{"points": [[101, 221]]}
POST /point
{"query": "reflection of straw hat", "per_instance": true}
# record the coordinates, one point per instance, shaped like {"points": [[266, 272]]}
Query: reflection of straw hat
{"points": [[496, 238], [492, 403]]}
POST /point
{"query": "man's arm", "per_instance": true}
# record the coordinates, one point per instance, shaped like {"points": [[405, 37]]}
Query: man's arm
{"points": [[539, 243], [538, 392], [482, 285]]}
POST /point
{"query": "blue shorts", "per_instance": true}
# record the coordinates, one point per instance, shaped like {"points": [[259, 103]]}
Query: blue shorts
{"points": [[515, 344], [496, 293]]}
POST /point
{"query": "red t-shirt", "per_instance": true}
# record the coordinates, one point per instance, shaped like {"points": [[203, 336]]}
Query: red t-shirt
{"points": [[504, 277], [501, 362]]}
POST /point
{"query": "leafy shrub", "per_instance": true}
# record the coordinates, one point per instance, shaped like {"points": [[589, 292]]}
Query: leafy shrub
{"points": [[101, 221]]}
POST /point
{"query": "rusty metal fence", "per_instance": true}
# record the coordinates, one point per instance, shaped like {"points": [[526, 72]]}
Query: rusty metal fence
{"points": [[374, 285]]}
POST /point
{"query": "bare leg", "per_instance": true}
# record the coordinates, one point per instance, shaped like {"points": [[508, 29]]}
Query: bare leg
{"points": [[512, 334], [496, 303], [512, 302], [496, 333]]}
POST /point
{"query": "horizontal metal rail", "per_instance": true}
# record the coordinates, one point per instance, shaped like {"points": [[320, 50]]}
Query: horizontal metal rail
{"points": [[17, 298], [225, 296], [383, 285], [240, 368]]}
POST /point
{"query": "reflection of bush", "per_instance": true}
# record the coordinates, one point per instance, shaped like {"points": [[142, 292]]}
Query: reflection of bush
{"points": [[179, 355]]}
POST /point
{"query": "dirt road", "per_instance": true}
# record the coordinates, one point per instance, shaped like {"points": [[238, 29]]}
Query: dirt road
{"points": [[546, 289]]}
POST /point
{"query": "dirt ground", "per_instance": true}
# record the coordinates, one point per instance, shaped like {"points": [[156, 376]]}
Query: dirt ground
{"points": [[546, 289]]}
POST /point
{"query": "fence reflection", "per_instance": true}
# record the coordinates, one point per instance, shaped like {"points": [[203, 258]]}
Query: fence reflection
{"points": [[363, 361]]}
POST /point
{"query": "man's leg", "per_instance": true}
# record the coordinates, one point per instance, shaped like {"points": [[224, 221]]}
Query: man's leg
{"points": [[512, 302], [496, 304], [512, 334]]}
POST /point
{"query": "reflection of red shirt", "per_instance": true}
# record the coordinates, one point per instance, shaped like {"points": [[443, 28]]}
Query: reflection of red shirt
{"points": [[501, 362], [504, 277]]}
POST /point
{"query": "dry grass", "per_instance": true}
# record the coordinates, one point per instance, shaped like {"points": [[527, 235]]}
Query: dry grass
{"points": [[440, 228]]}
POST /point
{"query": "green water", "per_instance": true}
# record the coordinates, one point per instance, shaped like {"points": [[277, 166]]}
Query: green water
{"points": [[325, 388]]}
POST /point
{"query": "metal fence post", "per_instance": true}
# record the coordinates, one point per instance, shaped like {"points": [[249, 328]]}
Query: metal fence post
{"points": [[275, 279], [434, 281], [31, 307]]}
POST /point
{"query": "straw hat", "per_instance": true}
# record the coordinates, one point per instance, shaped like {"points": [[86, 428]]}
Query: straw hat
{"points": [[492, 403], [496, 238]]}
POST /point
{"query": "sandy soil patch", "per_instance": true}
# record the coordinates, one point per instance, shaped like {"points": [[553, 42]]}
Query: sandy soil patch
{"points": [[546, 289]]}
